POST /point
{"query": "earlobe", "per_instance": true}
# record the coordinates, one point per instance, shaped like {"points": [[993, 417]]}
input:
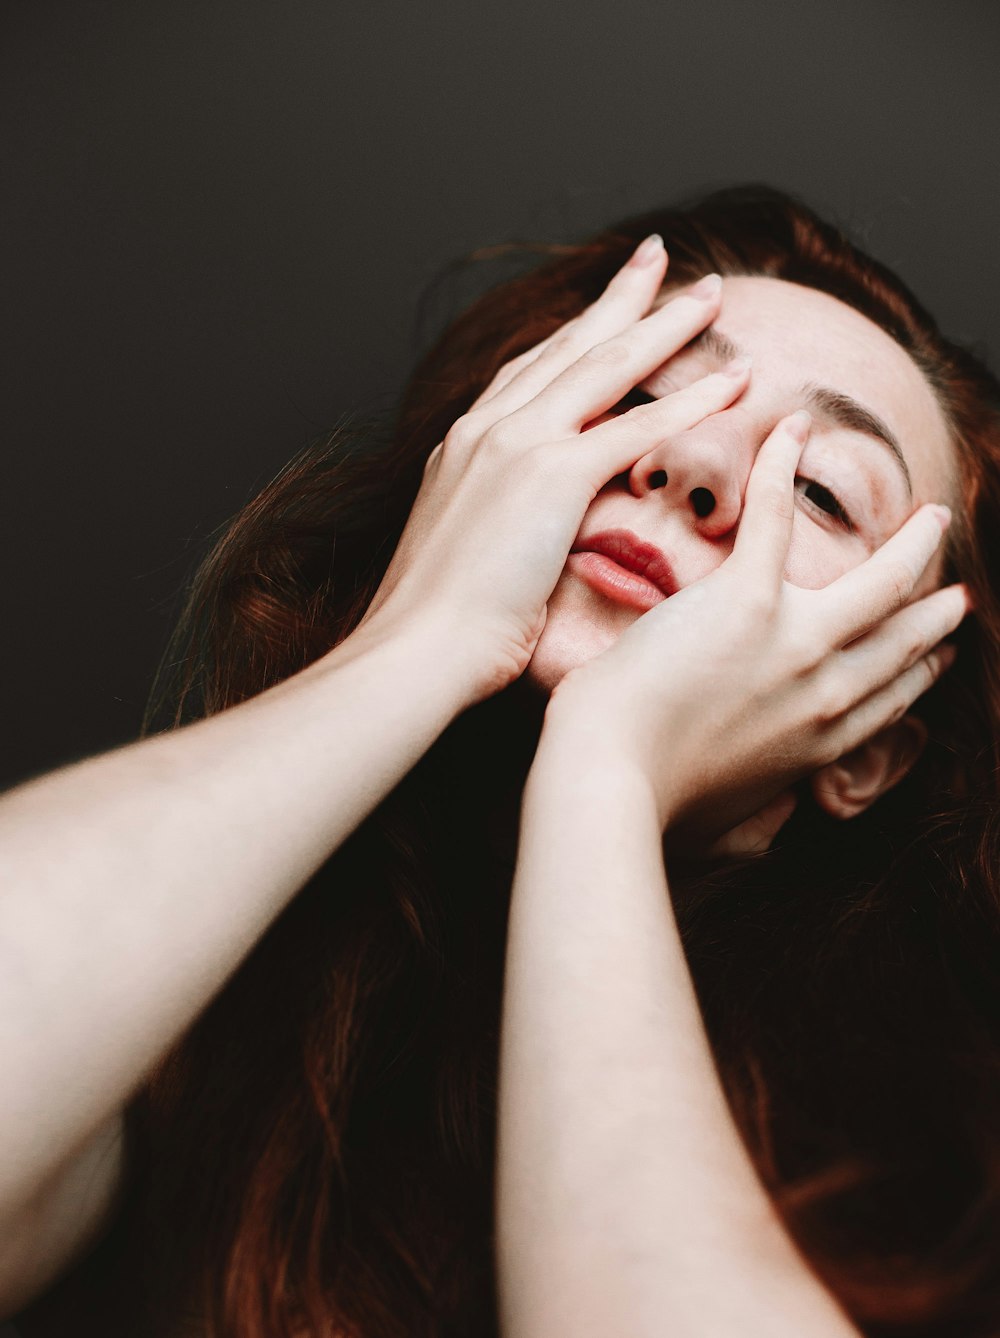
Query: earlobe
{"points": [[848, 786]]}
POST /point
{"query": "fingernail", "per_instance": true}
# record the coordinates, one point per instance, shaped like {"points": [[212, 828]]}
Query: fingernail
{"points": [[799, 424], [706, 287], [647, 252], [943, 514], [738, 367]]}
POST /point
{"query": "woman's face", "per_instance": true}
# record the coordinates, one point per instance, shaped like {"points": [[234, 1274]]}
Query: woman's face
{"points": [[879, 448]]}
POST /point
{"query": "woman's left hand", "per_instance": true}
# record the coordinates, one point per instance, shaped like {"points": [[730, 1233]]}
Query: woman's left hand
{"points": [[741, 684]]}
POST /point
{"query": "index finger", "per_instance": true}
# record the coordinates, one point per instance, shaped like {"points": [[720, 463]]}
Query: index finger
{"points": [[765, 529]]}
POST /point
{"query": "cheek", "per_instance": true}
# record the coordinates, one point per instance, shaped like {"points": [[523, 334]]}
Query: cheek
{"points": [[815, 559], [579, 626]]}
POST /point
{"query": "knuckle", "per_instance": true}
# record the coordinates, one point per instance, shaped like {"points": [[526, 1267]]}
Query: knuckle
{"points": [[804, 651], [830, 703], [899, 708], [933, 665], [898, 581], [500, 438], [915, 644], [463, 433], [654, 416], [564, 342], [557, 351], [776, 497], [834, 741], [508, 371], [611, 353], [685, 408]]}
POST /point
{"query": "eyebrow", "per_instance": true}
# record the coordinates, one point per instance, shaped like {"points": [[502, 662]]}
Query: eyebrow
{"points": [[833, 406]]}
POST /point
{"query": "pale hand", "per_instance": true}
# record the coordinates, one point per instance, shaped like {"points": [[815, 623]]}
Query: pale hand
{"points": [[503, 496], [741, 684]]}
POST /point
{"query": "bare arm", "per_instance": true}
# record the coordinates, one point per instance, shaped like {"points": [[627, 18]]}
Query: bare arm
{"points": [[626, 1201], [65, 1217], [134, 883]]}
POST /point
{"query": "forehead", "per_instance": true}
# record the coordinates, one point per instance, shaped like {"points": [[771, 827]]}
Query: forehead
{"points": [[797, 335]]}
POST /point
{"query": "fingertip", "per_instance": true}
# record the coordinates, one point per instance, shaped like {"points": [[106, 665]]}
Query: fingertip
{"points": [[799, 425], [648, 253], [707, 289], [942, 515], [961, 592], [738, 368]]}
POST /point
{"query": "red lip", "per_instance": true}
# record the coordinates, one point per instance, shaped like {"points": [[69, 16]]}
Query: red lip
{"points": [[627, 550]]}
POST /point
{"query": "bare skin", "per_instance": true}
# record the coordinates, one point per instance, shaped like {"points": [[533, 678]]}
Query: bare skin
{"points": [[624, 1193], [138, 881]]}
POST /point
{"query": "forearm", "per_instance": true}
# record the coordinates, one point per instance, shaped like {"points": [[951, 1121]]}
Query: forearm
{"points": [[626, 1201], [134, 883]]}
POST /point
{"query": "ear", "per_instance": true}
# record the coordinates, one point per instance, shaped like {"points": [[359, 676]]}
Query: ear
{"points": [[848, 786]]}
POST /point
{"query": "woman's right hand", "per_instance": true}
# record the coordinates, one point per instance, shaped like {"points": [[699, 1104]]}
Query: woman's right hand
{"points": [[504, 495]]}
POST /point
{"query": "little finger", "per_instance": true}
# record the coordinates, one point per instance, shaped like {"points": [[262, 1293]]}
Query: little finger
{"points": [[892, 702]]}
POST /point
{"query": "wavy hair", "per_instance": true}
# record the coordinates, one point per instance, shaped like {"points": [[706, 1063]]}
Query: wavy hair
{"points": [[315, 1156]]}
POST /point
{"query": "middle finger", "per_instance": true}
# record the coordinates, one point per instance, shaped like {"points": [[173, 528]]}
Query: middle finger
{"points": [[626, 297], [605, 372]]}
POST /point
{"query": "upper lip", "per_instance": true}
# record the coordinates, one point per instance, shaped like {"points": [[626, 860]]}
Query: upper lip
{"points": [[629, 551]]}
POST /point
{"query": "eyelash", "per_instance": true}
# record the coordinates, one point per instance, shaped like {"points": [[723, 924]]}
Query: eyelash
{"points": [[828, 501]]}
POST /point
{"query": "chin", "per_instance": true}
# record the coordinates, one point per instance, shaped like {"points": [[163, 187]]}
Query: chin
{"points": [[579, 626]]}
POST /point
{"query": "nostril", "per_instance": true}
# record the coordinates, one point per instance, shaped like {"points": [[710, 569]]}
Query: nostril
{"points": [[703, 502], [658, 478]]}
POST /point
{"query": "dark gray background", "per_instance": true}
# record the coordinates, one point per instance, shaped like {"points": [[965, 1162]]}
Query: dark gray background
{"points": [[219, 217]]}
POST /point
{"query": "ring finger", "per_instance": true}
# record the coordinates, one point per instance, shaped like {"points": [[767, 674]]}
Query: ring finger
{"points": [[891, 702], [876, 659]]}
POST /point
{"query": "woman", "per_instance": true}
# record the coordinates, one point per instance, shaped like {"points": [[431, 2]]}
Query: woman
{"points": [[317, 1148]]}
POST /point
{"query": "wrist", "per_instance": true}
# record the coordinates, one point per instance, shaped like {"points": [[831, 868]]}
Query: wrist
{"points": [[421, 649], [578, 751], [585, 764]]}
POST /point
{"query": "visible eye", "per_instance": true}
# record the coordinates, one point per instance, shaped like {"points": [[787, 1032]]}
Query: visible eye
{"points": [[826, 501]]}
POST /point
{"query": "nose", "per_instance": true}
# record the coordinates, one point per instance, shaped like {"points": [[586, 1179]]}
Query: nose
{"points": [[703, 470]]}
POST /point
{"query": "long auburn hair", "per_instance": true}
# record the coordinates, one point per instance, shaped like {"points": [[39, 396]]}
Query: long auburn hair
{"points": [[315, 1156]]}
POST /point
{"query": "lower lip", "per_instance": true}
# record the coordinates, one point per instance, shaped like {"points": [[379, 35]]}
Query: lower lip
{"points": [[605, 575]]}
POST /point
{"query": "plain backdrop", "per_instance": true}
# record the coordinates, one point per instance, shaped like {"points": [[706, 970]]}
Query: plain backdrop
{"points": [[219, 218]]}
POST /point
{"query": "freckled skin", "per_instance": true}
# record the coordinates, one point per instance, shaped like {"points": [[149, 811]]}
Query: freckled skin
{"points": [[795, 335]]}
